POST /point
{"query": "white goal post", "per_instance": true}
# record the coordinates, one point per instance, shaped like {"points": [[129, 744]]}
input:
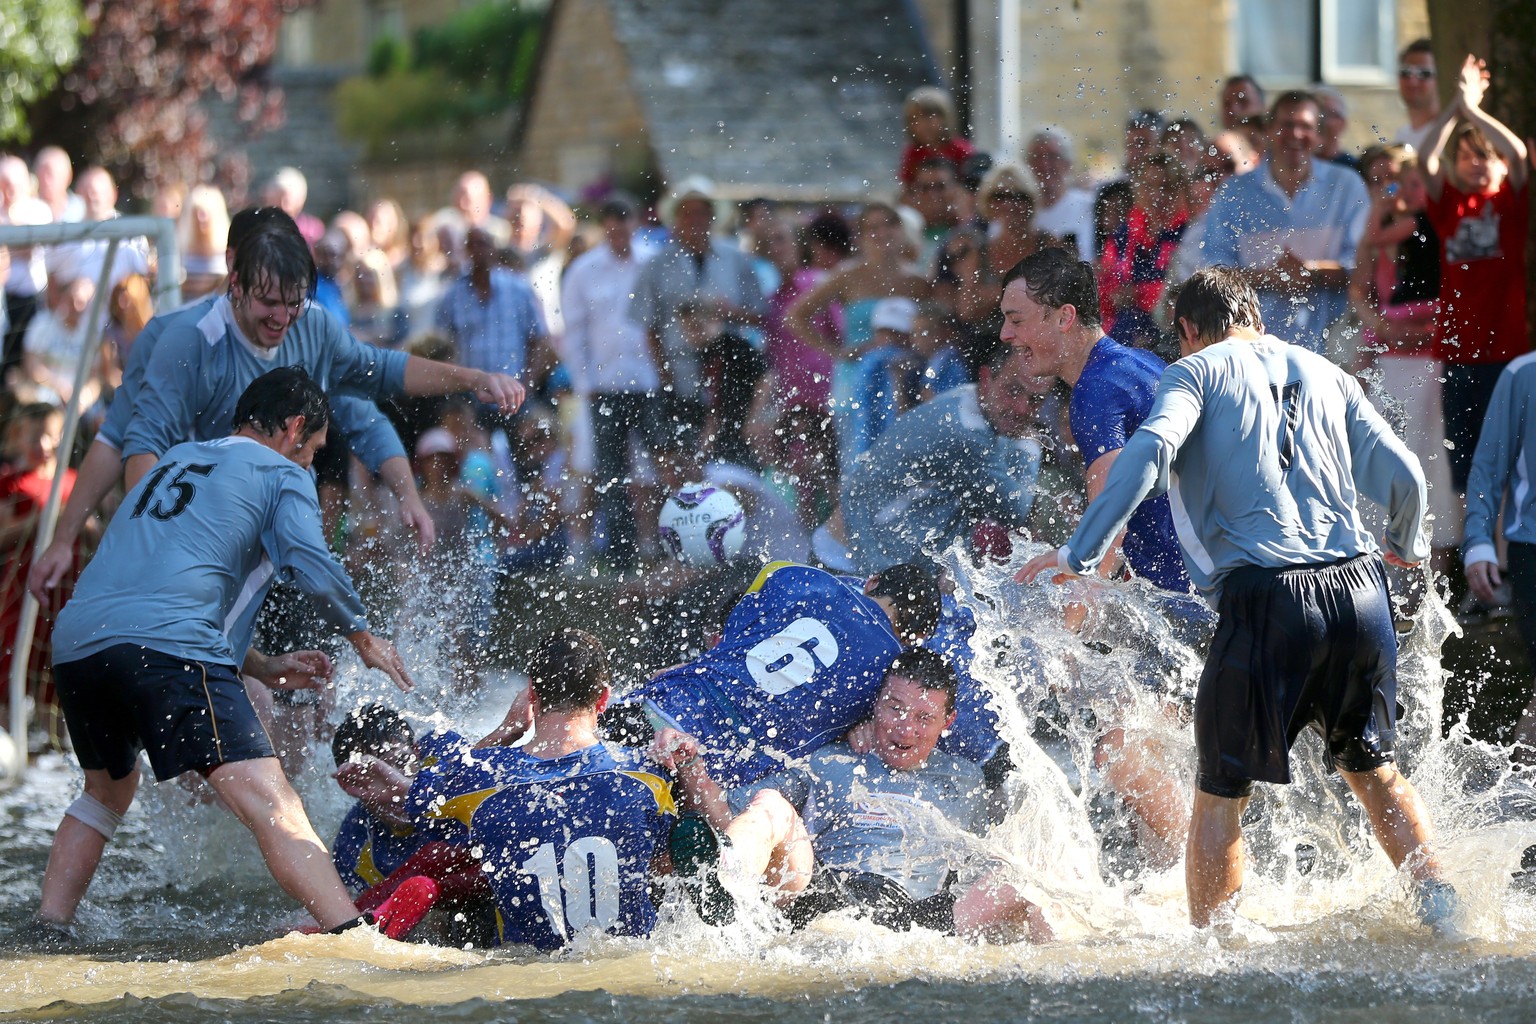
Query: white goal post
{"points": [[161, 231]]}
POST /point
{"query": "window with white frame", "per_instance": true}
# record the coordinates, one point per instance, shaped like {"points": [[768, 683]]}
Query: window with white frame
{"points": [[1295, 42]]}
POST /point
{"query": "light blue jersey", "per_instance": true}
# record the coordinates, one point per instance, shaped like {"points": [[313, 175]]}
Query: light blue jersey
{"points": [[198, 364], [1262, 447], [192, 551], [1502, 467], [866, 816]]}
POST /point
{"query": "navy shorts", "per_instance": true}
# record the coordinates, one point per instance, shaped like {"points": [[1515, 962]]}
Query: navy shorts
{"points": [[1297, 647], [188, 716]]}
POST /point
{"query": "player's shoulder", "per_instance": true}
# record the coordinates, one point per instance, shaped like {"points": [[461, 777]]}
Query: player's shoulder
{"points": [[316, 325], [191, 330], [789, 573]]}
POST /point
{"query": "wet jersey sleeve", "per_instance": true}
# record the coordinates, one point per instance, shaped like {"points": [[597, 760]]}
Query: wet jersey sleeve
{"points": [[295, 542]]}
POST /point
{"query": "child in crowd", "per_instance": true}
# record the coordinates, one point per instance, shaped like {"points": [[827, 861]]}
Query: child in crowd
{"points": [[931, 131], [30, 461]]}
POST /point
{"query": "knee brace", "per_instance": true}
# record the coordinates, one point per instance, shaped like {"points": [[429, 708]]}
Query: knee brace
{"points": [[96, 815]]}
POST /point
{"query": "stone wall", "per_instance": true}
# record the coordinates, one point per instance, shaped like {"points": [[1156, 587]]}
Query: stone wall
{"points": [[584, 123]]}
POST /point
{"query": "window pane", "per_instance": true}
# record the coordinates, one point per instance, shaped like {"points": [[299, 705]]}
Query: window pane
{"points": [[1357, 32], [1277, 39]]}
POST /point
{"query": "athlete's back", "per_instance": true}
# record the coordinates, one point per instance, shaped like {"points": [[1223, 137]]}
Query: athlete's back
{"points": [[800, 660], [567, 842], [195, 542]]}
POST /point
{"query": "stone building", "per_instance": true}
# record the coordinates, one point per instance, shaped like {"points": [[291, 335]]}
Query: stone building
{"points": [[802, 99]]}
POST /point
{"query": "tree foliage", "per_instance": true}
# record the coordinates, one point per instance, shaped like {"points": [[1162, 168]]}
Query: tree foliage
{"points": [[38, 40], [475, 64], [131, 100]]}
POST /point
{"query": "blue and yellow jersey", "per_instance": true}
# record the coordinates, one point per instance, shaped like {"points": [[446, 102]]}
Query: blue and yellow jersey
{"points": [[368, 850], [566, 842], [800, 660]]}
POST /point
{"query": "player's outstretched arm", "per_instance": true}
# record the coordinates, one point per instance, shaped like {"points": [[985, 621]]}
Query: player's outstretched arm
{"points": [[379, 653], [101, 469], [427, 377]]}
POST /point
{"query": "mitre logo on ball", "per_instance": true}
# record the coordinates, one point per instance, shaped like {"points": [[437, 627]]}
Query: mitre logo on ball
{"points": [[703, 525]]}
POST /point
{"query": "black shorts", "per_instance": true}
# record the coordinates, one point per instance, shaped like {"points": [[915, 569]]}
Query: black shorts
{"points": [[1521, 577], [886, 902], [1309, 646], [188, 716]]}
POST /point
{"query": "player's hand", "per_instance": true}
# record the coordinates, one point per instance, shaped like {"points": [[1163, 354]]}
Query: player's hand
{"points": [[49, 569], [1391, 559], [862, 737], [379, 653], [1482, 578], [418, 520], [673, 749], [504, 392], [378, 784], [296, 670], [1050, 562], [518, 720]]}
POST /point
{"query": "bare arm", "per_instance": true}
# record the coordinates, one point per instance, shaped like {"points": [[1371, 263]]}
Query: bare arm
{"points": [[428, 377], [94, 480], [1474, 82], [799, 318], [396, 473], [697, 790]]}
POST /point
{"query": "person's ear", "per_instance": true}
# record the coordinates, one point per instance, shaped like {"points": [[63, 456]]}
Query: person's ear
{"points": [[293, 433], [1066, 317]]}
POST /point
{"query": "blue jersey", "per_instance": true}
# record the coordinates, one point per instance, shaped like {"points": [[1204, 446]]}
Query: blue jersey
{"points": [[198, 365], [802, 656], [368, 850], [194, 546], [976, 731], [566, 842], [1109, 401]]}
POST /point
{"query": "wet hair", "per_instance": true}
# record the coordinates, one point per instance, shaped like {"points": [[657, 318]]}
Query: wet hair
{"points": [[1215, 300], [275, 259], [370, 729], [914, 595], [1055, 277], [568, 671], [277, 396], [252, 219], [928, 670]]}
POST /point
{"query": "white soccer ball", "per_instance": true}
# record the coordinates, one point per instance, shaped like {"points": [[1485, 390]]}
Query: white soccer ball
{"points": [[703, 525]]}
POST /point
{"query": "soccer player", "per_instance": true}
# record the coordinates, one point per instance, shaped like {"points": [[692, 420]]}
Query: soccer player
{"points": [[855, 829], [800, 659], [1050, 308], [143, 661], [566, 826], [1267, 446], [205, 356]]}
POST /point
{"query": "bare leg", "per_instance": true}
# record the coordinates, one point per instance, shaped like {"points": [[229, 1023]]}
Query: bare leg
{"points": [[1132, 771], [769, 841], [260, 796], [992, 909], [1398, 817], [77, 848], [1213, 862]]}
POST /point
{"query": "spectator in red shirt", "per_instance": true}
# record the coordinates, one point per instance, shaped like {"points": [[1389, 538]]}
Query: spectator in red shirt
{"points": [[931, 132], [1479, 206]]}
